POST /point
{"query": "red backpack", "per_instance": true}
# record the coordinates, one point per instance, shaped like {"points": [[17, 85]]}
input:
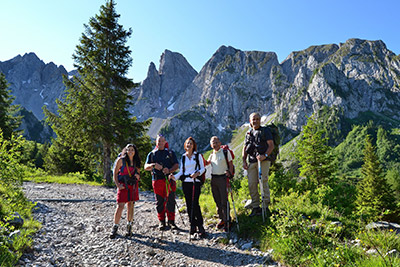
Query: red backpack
{"points": [[225, 149]]}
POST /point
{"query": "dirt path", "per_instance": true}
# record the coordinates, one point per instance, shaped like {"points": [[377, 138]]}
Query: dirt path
{"points": [[77, 220]]}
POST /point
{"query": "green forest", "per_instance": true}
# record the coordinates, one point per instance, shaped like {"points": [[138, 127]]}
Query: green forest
{"points": [[328, 184]]}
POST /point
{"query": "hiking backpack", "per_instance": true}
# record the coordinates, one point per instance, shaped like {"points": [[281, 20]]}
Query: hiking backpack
{"points": [[275, 138], [127, 179], [277, 141], [225, 149]]}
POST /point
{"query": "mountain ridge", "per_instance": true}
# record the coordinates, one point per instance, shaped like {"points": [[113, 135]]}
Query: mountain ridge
{"points": [[349, 79]]}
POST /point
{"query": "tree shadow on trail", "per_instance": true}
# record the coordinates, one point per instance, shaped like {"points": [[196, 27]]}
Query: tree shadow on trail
{"points": [[197, 251]]}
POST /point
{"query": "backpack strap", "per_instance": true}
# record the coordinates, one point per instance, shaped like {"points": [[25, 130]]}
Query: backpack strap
{"points": [[197, 161], [183, 164], [225, 151], [124, 165], [121, 170], [170, 157]]}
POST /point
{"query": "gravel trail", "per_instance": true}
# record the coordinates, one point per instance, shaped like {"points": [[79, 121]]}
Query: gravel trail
{"points": [[77, 220]]}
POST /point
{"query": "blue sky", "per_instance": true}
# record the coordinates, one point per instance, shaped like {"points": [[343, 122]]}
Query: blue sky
{"points": [[196, 29]]}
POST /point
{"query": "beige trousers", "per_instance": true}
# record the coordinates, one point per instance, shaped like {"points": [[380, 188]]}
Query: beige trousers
{"points": [[253, 181]]}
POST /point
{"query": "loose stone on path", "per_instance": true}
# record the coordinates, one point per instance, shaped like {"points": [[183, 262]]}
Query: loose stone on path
{"points": [[77, 220]]}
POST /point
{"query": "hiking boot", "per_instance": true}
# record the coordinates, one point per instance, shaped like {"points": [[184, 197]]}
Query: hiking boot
{"points": [[255, 212], [221, 225], [202, 232], [227, 227], [163, 226], [172, 225], [114, 231], [129, 229], [193, 229]]}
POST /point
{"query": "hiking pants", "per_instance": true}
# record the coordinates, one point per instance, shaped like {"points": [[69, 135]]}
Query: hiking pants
{"points": [[252, 178], [197, 219], [220, 195], [165, 200]]}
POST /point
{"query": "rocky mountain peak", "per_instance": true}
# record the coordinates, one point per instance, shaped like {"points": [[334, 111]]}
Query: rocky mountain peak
{"points": [[301, 61], [34, 83], [31, 57], [176, 74], [351, 78], [157, 95], [231, 77]]}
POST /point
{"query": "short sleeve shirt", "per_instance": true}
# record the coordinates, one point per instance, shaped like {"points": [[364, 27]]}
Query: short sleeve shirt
{"points": [[166, 158], [257, 141], [218, 162]]}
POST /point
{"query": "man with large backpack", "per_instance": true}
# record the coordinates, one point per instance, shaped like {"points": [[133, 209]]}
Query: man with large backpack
{"points": [[221, 171], [258, 146], [161, 162]]}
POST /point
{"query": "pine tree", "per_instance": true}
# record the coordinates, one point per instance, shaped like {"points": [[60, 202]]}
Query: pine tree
{"points": [[9, 121], [94, 115], [374, 194], [388, 150], [313, 153]]}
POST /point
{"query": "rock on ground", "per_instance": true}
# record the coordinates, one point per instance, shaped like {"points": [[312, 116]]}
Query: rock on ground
{"points": [[77, 221]]}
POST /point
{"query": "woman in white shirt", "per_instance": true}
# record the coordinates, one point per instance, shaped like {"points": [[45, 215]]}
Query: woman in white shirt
{"points": [[190, 170]]}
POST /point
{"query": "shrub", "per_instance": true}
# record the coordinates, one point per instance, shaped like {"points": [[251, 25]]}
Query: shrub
{"points": [[12, 201]]}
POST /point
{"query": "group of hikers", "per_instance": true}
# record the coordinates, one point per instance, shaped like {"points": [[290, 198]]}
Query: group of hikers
{"points": [[163, 163]]}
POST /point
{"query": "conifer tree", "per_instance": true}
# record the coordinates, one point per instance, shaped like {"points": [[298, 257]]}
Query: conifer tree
{"points": [[374, 195], [387, 148], [94, 115], [9, 121], [313, 153]]}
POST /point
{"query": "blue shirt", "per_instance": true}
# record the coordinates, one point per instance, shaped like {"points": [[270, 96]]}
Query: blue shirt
{"points": [[166, 158]]}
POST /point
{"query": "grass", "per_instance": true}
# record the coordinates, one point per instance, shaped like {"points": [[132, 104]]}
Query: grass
{"points": [[303, 231], [40, 176], [12, 200]]}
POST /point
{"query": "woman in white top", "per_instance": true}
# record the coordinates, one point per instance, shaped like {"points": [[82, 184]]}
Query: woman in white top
{"points": [[190, 170]]}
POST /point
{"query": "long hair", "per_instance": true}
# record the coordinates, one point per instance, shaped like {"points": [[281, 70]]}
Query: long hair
{"points": [[136, 158], [194, 143]]}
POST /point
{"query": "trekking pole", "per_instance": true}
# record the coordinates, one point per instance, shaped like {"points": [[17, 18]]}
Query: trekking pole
{"points": [[176, 204], [261, 189], [233, 203], [180, 214], [165, 200], [228, 212], [191, 212], [135, 186]]}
